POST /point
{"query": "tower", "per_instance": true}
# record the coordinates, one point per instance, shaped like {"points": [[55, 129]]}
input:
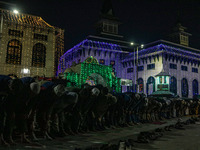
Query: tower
{"points": [[108, 23], [179, 35]]}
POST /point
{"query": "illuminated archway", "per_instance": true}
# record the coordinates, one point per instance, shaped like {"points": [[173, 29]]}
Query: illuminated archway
{"points": [[150, 85]]}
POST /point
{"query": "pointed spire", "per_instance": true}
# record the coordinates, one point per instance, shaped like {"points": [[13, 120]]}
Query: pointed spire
{"points": [[107, 8], [108, 23]]}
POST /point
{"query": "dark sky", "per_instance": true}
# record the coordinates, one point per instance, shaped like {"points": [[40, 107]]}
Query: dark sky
{"points": [[143, 20]]}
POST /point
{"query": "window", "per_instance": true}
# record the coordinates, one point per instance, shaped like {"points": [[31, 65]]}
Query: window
{"points": [[172, 66], [184, 87], [15, 33], [173, 85], [105, 27], [40, 37], [102, 61], [112, 62], [110, 28], [14, 50], [184, 68], [115, 29], [195, 70], [129, 70], [141, 85], [150, 66], [140, 68], [39, 55], [195, 87]]}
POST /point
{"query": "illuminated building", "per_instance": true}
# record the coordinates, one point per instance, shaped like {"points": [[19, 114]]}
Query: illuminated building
{"points": [[29, 45], [91, 72], [179, 61], [107, 46]]}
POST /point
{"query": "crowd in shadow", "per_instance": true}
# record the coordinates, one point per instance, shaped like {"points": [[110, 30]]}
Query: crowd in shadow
{"points": [[33, 109]]}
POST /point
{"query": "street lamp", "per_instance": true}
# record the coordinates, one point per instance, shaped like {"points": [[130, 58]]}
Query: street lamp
{"points": [[135, 64], [16, 11]]}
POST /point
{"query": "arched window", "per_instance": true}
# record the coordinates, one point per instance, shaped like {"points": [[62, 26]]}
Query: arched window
{"points": [[195, 87], [39, 55], [14, 51], [184, 87], [173, 85], [150, 85], [141, 85]]}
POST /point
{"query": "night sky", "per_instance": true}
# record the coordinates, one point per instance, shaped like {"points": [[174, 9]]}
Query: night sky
{"points": [[143, 21]]}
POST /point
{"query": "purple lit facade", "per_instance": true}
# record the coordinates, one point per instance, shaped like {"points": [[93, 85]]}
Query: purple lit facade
{"points": [[178, 60], [182, 63], [105, 53]]}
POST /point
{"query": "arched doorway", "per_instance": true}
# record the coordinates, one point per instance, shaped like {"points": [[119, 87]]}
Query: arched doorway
{"points": [[141, 85], [173, 85], [150, 85], [195, 87], [184, 87], [98, 79]]}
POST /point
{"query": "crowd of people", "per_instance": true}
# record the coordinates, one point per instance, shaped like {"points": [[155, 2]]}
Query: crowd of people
{"points": [[47, 109]]}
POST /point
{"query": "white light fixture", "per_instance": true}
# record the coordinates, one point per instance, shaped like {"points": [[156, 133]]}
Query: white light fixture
{"points": [[132, 43], [16, 11], [25, 71], [142, 46]]}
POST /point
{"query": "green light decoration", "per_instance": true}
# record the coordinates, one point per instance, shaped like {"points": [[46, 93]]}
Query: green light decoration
{"points": [[162, 81], [91, 70], [162, 85]]}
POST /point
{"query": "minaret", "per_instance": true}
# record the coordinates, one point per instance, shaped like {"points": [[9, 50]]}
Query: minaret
{"points": [[108, 23], [179, 35]]}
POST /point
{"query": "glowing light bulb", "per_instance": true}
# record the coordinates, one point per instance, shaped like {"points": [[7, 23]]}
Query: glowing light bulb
{"points": [[16, 11]]}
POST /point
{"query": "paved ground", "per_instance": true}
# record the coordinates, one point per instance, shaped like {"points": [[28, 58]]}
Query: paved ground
{"points": [[187, 139], [172, 140]]}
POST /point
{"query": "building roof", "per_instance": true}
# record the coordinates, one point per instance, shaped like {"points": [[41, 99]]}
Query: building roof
{"points": [[21, 18], [168, 47], [95, 45], [162, 73], [116, 39]]}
